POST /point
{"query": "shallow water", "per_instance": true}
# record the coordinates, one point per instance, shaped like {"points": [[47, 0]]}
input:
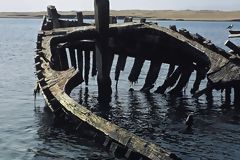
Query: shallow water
{"points": [[28, 131]]}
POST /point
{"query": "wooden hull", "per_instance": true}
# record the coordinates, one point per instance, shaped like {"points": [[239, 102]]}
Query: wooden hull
{"points": [[139, 40]]}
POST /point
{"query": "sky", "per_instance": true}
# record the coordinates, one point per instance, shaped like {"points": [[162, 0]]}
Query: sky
{"points": [[85, 5]]}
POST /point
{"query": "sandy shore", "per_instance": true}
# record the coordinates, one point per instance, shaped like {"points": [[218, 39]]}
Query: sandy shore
{"points": [[153, 14]]}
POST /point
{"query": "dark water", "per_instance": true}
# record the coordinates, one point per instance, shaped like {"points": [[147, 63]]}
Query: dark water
{"points": [[28, 132]]}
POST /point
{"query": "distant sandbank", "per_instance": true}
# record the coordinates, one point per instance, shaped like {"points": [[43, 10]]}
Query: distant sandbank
{"points": [[202, 15]]}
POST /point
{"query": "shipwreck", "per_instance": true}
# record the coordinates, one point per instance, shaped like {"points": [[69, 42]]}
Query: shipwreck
{"points": [[144, 41]]}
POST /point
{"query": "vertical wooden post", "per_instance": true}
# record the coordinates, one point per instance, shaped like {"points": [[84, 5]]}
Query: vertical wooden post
{"points": [[152, 76], [143, 20], [120, 66], [209, 94], [101, 8], [200, 75], [53, 16], [87, 66], [128, 19], [80, 62], [103, 56], [237, 95], [113, 20], [170, 70], [228, 95], [63, 58], [80, 18], [94, 64], [186, 72], [136, 69], [73, 57], [170, 81]]}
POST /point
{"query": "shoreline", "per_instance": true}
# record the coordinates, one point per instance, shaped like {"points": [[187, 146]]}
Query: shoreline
{"points": [[168, 15]]}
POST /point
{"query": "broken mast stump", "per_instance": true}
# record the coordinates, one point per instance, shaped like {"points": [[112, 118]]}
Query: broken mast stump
{"points": [[104, 57]]}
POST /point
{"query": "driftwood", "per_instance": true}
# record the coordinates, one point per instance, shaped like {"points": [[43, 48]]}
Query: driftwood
{"points": [[142, 41]]}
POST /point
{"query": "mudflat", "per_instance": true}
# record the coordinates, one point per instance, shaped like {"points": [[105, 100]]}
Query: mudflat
{"points": [[205, 15]]}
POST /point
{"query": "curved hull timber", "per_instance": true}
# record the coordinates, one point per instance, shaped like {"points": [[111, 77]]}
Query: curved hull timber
{"points": [[53, 85], [143, 41]]}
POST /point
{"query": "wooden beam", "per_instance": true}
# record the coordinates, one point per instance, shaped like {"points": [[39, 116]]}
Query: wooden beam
{"points": [[136, 69], [80, 18], [101, 8], [232, 46], [152, 76], [104, 57], [53, 16]]}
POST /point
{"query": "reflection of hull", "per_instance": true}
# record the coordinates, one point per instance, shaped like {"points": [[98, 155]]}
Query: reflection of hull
{"points": [[139, 40]]}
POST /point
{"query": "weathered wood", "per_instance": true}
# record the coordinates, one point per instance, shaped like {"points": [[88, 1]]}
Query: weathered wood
{"points": [[169, 82], [171, 69], [94, 64], [57, 81], [173, 27], [80, 18], [228, 95], [80, 63], [113, 20], [73, 57], [232, 46], [63, 58], [128, 19], [136, 70], [186, 72], [101, 8], [152, 76], [200, 75], [234, 31], [122, 59], [86, 66], [236, 94], [143, 20], [104, 57], [141, 41], [53, 16], [104, 63]]}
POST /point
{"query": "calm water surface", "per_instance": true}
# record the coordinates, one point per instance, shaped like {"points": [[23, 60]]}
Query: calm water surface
{"points": [[28, 131]]}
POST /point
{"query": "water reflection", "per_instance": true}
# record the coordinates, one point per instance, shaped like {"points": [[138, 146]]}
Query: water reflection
{"points": [[59, 140], [161, 120]]}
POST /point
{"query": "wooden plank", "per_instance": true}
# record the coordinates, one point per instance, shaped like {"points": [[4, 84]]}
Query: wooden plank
{"points": [[232, 46]]}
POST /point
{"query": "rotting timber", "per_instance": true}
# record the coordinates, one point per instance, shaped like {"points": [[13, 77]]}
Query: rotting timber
{"points": [[143, 41]]}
